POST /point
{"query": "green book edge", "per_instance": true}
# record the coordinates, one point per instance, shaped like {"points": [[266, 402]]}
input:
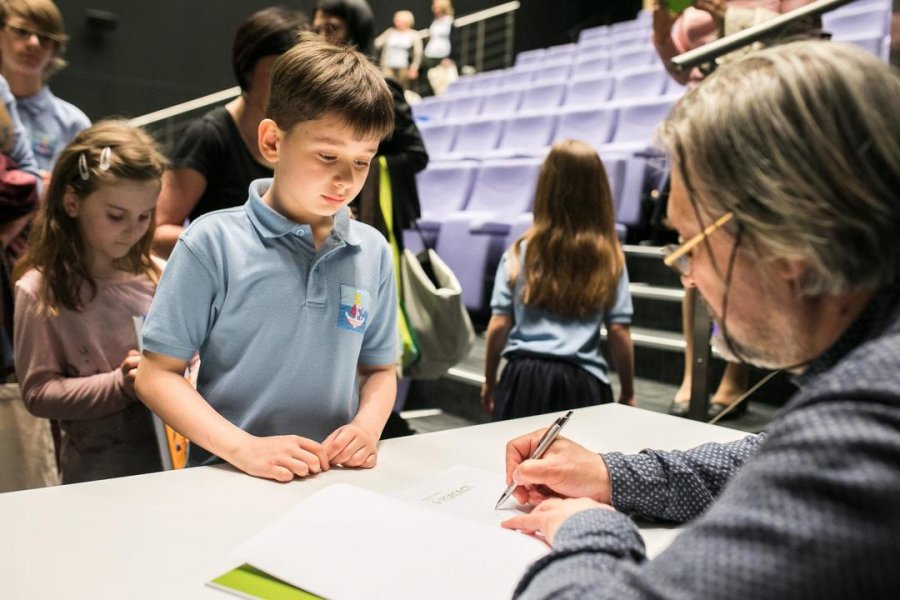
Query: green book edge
{"points": [[250, 582]]}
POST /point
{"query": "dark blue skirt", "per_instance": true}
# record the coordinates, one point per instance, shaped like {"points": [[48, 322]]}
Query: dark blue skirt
{"points": [[534, 385]]}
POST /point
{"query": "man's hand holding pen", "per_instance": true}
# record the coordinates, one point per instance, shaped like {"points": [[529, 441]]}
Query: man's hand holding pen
{"points": [[567, 479]]}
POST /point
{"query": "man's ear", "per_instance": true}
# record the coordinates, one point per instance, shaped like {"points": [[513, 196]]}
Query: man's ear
{"points": [[70, 202], [269, 139], [794, 271]]}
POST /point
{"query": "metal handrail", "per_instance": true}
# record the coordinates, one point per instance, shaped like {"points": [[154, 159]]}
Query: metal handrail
{"points": [[163, 121]]}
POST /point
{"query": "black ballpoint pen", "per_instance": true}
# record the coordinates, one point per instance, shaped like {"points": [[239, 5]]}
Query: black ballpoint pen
{"points": [[542, 446]]}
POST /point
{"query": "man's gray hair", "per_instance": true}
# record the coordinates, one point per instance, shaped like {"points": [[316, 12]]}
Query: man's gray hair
{"points": [[802, 142]]}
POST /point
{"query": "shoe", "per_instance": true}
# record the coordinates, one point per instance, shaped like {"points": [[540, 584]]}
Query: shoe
{"points": [[716, 408], [679, 409]]}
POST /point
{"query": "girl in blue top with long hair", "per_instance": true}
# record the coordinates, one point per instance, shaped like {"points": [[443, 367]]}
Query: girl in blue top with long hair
{"points": [[555, 287]]}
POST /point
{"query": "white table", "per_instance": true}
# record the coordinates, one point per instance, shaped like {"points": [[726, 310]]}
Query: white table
{"points": [[164, 535]]}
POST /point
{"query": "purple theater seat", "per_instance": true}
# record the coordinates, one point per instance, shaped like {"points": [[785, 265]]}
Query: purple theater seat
{"points": [[589, 92], [615, 174], [869, 21], [429, 109], [519, 225], [638, 120], [471, 241], [444, 188], [646, 82], [527, 57], [438, 138], [590, 33], [458, 86], [673, 88], [481, 83], [543, 97], [561, 53], [475, 137], [463, 107], [519, 77], [592, 125], [552, 73], [502, 103], [525, 135], [630, 57], [879, 46], [591, 65]]}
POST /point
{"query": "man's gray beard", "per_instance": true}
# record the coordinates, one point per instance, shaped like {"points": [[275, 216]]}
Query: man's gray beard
{"points": [[747, 355]]}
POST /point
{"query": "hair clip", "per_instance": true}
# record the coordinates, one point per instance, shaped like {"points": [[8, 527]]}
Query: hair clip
{"points": [[105, 158], [83, 167]]}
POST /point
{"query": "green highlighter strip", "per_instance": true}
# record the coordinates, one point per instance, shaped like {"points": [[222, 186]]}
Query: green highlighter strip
{"points": [[678, 6], [249, 582]]}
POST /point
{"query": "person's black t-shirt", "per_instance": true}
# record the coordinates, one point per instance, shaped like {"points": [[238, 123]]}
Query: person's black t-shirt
{"points": [[213, 146]]}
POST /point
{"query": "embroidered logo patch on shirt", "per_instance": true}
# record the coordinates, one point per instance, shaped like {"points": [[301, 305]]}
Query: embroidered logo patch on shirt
{"points": [[354, 312]]}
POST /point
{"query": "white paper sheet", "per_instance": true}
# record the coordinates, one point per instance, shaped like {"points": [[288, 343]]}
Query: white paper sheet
{"points": [[346, 542], [465, 492]]}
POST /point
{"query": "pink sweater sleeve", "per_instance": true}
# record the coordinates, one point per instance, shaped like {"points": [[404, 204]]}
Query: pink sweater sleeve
{"points": [[41, 367]]}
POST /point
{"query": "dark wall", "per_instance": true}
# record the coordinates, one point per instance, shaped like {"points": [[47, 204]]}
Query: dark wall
{"points": [[131, 57]]}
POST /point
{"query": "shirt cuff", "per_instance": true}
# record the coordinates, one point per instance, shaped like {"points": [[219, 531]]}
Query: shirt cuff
{"points": [[600, 530]]}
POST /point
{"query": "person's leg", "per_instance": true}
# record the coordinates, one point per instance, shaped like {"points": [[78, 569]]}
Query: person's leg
{"points": [[733, 385]]}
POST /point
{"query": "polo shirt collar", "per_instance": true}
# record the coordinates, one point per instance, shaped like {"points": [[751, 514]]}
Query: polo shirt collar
{"points": [[271, 224]]}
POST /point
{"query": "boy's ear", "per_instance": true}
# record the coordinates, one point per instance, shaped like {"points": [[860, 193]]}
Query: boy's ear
{"points": [[269, 139], [70, 202]]}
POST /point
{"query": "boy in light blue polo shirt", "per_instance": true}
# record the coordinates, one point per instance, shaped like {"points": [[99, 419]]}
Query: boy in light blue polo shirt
{"points": [[291, 304]]}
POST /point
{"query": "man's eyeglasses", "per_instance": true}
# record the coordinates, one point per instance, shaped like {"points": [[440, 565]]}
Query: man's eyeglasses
{"points": [[679, 257], [46, 40]]}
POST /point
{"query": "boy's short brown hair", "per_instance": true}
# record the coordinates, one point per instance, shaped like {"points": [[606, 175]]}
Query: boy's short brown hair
{"points": [[314, 79]]}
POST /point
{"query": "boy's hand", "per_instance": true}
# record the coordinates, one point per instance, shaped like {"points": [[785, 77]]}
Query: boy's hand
{"points": [[351, 446], [280, 457], [129, 369]]}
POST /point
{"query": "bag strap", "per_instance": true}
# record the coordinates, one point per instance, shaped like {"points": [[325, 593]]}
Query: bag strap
{"points": [[421, 233]]}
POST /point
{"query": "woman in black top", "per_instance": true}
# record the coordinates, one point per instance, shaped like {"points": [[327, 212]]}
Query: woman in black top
{"points": [[217, 157]]}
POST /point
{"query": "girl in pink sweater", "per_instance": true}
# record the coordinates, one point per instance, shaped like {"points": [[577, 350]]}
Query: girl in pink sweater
{"points": [[87, 272]]}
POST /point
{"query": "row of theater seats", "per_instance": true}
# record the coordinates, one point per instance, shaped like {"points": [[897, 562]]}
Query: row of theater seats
{"points": [[636, 83], [489, 134], [473, 210]]}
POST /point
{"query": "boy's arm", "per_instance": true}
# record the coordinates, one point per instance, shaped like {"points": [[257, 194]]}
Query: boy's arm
{"points": [[161, 385], [355, 444]]}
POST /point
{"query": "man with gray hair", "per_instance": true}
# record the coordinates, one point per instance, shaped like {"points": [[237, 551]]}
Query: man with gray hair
{"points": [[785, 181]]}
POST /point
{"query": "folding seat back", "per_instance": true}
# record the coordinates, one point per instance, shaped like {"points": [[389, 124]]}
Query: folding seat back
{"points": [[527, 134], [591, 65], [592, 125], [502, 103], [552, 73], [463, 107], [646, 82], [458, 86], [637, 122], [444, 187], [477, 135], [561, 53], [527, 57], [629, 57], [542, 97], [438, 138], [868, 21], [589, 92], [518, 77], [505, 187], [429, 109], [592, 33]]}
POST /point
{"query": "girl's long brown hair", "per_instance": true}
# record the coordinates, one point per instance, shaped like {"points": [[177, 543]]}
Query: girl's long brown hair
{"points": [[55, 246], [572, 258]]}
